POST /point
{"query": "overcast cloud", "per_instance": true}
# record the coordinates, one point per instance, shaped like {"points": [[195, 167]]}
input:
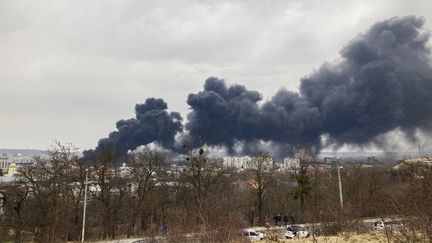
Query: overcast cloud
{"points": [[70, 69]]}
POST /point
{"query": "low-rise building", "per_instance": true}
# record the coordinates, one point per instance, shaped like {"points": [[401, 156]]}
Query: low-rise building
{"points": [[426, 160], [12, 169], [290, 164]]}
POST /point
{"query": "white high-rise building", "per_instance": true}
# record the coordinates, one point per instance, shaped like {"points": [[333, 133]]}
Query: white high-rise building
{"points": [[4, 164], [236, 161]]}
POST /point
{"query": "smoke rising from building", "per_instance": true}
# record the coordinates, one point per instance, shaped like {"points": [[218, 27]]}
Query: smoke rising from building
{"points": [[152, 123], [382, 83]]}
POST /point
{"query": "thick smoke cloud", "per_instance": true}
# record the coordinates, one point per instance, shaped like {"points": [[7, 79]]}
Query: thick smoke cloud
{"points": [[383, 83], [152, 123], [222, 114]]}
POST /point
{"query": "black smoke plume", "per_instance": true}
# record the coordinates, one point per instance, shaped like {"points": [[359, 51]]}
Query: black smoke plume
{"points": [[153, 123], [383, 83], [223, 115]]}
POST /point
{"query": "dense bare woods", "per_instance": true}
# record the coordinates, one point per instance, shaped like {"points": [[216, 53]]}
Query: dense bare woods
{"points": [[151, 198]]}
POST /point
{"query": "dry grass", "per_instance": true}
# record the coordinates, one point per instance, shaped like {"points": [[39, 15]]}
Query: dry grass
{"points": [[374, 237]]}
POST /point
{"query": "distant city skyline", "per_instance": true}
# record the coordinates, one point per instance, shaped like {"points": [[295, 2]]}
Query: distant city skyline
{"points": [[70, 70]]}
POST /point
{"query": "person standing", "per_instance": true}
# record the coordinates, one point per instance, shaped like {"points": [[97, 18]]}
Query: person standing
{"points": [[292, 216], [165, 228], [285, 219]]}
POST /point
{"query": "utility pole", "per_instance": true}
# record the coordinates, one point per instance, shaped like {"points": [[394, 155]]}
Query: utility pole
{"points": [[85, 205], [419, 150], [340, 184]]}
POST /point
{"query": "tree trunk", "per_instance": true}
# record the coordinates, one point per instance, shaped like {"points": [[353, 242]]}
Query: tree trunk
{"points": [[260, 205]]}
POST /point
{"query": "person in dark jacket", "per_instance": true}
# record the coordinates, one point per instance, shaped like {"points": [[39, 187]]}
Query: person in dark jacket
{"points": [[285, 219]]}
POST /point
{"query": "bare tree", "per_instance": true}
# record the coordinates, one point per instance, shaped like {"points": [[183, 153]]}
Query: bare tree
{"points": [[52, 183], [261, 167], [148, 169], [108, 193], [200, 182], [304, 158], [13, 198]]}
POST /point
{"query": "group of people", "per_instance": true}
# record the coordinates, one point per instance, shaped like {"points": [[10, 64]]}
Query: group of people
{"points": [[279, 220]]}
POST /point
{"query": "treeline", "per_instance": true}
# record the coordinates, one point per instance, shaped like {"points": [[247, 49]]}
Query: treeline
{"points": [[203, 200]]}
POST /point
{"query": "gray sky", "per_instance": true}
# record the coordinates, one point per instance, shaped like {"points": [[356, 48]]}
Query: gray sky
{"points": [[70, 69]]}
